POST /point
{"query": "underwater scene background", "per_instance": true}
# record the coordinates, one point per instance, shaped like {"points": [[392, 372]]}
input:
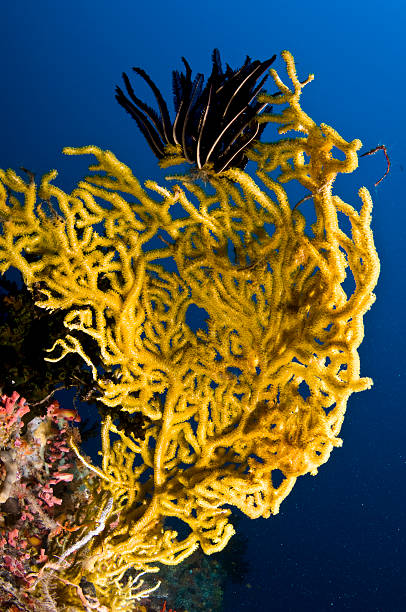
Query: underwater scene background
{"points": [[338, 541]]}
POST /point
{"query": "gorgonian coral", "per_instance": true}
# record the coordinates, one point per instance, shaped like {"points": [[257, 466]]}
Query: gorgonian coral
{"points": [[241, 408]]}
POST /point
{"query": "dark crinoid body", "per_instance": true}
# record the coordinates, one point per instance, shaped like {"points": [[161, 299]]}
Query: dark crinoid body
{"points": [[214, 123]]}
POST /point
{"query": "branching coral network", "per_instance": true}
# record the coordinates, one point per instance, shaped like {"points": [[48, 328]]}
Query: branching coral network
{"points": [[239, 409]]}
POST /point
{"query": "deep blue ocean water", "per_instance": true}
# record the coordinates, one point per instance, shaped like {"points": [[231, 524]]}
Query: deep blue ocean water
{"points": [[339, 540]]}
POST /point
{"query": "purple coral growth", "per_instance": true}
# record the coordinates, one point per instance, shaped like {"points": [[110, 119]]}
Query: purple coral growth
{"points": [[38, 497]]}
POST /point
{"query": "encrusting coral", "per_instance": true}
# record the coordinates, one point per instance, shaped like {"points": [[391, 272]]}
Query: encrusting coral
{"points": [[256, 397], [36, 494]]}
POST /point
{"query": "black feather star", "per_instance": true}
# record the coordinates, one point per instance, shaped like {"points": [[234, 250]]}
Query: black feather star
{"points": [[214, 124]]}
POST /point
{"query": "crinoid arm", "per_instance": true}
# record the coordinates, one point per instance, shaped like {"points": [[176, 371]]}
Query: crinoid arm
{"points": [[214, 123]]}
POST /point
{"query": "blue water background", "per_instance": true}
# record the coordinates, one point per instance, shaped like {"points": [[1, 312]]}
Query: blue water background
{"points": [[338, 542]]}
